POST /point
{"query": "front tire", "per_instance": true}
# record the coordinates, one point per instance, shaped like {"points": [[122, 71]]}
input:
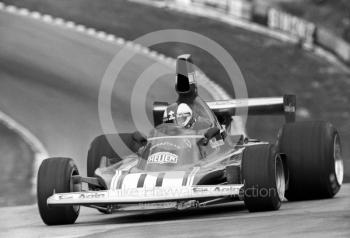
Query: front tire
{"points": [[263, 174], [314, 159], [55, 176]]}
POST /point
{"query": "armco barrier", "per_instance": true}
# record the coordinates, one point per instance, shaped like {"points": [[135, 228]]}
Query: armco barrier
{"points": [[219, 5], [329, 41], [237, 8]]}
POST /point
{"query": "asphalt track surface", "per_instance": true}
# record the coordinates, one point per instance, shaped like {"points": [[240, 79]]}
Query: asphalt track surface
{"points": [[49, 83], [320, 218], [50, 79]]}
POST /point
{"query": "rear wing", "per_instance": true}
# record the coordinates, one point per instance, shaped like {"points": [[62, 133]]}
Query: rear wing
{"points": [[285, 105]]}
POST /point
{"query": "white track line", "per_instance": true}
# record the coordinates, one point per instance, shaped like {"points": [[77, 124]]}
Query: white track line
{"points": [[41, 153]]}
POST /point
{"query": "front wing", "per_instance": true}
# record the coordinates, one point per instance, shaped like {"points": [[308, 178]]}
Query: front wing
{"points": [[142, 195]]}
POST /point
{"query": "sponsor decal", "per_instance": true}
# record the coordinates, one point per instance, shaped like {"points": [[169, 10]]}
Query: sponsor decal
{"points": [[224, 189], [216, 143], [167, 117], [162, 158], [64, 196], [91, 195], [165, 143], [171, 115], [187, 144], [293, 25], [200, 190]]}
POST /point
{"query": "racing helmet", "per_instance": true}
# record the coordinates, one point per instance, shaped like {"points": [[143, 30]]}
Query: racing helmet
{"points": [[184, 116]]}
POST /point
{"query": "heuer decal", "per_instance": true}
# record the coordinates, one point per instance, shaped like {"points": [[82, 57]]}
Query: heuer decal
{"points": [[162, 158], [91, 195]]}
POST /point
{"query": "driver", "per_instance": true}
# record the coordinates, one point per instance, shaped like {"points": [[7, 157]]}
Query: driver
{"points": [[190, 111], [182, 115]]}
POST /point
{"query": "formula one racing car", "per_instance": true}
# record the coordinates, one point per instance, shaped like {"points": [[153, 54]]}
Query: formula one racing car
{"points": [[193, 158]]}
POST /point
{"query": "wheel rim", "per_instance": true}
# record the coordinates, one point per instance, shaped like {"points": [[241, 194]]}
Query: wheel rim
{"points": [[338, 161], [280, 178]]}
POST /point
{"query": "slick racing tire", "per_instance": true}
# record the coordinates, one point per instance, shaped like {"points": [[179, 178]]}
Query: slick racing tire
{"points": [[100, 147], [314, 159], [55, 176], [263, 173]]}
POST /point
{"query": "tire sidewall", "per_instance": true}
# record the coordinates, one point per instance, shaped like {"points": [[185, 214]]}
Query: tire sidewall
{"points": [[54, 176], [259, 175]]}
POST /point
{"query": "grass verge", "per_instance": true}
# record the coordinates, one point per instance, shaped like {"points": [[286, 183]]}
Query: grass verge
{"points": [[16, 169]]}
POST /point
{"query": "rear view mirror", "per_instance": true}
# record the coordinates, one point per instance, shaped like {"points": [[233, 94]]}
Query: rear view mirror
{"points": [[211, 133]]}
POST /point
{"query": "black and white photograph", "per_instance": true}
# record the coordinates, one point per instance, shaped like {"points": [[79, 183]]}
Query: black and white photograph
{"points": [[174, 118]]}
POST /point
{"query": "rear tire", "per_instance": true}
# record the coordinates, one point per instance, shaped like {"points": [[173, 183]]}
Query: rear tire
{"points": [[314, 160], [263, 174], [55, 177]]}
